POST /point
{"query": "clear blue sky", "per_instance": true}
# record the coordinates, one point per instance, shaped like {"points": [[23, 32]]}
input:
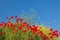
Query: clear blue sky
{"points": [[47, 10]]}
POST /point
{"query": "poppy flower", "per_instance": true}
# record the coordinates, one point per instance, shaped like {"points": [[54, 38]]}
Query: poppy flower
{"points": [[24, 23], [29, 38], [19, 19], [56, 31], [1, 33], [0, 25], [45, 37], [19, 27], [13, 28], [41, 33], [51, 29], [50, 33], [27, 25], [24, 30], [57, 35], [12, 25], [51, 36], [12, 32], [34, 29]]}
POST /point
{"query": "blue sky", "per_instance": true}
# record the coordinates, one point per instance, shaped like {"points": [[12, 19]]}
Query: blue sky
{"points": [[48, 11]]}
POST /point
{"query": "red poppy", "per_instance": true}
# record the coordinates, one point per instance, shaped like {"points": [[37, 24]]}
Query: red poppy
{"points": [[17, 30], [50, 33], [12, 25], [41, 33], [19, 27], [19, 19], [0, 25], [24, 30], [34, 29], [51, 36], [1, 33], [24, 23], [29, 38], [13, 28], [45, 37], [27, 25], [12, 32], [51, 29], [56, 31], [57, 35], [16, 20]]}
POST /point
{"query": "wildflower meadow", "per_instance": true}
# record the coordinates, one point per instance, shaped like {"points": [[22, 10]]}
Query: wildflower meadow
{"points": [[21, 30]]}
